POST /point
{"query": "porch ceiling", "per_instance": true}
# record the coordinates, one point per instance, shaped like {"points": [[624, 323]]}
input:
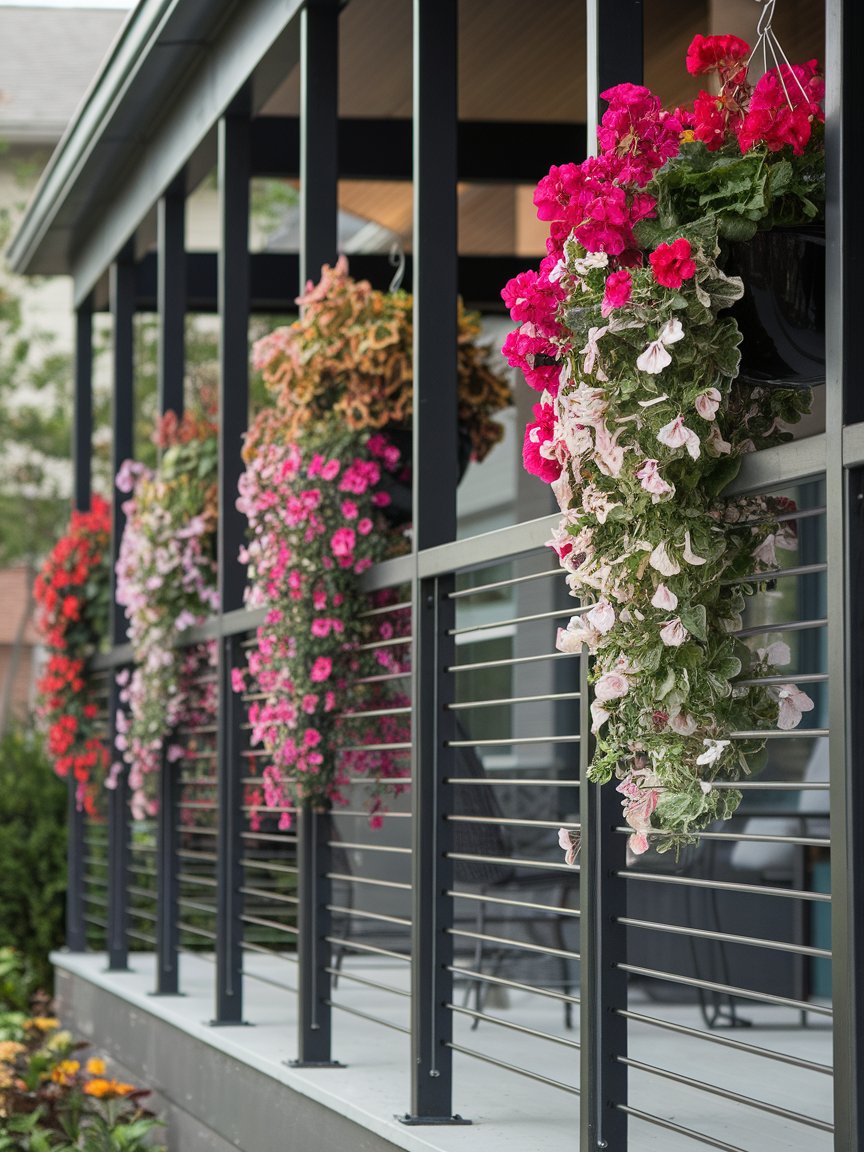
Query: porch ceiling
{"points": [[179, 63]]}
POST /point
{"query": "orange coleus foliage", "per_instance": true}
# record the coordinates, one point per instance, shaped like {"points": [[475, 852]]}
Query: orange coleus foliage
{"points": [[349, 356]]}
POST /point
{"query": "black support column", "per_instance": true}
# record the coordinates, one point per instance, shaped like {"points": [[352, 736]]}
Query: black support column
{"points": [[172, 296], [82, 450], [234, 154], [319, 112], [122, 292], [435, 480], [171, 254], [845, 520], [615, 56]]}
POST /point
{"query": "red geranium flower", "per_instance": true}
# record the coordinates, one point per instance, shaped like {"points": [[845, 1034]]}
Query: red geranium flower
{"points": [[672, 263], [722, 54]]}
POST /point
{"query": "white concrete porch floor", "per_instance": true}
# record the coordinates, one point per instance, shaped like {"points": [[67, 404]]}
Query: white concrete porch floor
{"points": [[510, 1113]]}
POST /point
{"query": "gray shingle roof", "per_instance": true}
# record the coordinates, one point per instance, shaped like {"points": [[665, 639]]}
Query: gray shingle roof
{"points": [[48, 57]]}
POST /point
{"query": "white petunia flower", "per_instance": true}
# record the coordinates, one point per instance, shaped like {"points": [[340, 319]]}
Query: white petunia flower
{"points": [[664, 599], [662, 562], [673, 633], [688, 553], [676, 434], [714, 749]]}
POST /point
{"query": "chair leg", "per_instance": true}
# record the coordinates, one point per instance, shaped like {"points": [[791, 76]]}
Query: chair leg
{"points": [[561, 944], [478, 987]]}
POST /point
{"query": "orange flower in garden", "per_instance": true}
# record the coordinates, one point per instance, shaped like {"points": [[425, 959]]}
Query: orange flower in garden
{"points": [[104, 1089], [95, 1067], [65, 1072], [9, 1049]]}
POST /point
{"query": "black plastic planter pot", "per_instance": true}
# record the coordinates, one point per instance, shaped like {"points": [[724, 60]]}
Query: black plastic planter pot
{"points": [[398, 486], [782, 312]]}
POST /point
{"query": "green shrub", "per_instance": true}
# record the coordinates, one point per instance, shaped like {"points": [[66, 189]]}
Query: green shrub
{"points": [[32, 854]]}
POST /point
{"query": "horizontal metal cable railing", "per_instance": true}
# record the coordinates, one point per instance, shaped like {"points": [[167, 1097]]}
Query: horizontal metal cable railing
{"points": [[516, 704], [95, 839], [727, 947]]}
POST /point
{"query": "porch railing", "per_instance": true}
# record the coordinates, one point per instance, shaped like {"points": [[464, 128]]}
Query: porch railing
{"points": [[623, 983]]}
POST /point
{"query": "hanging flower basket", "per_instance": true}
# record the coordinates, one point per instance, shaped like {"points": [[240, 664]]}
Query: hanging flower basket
{"points": [[326, 487], [628, 333]]}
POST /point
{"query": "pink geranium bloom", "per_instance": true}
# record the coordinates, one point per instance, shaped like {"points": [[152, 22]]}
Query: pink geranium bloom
{"points": [[321, 669], [538, 455], [342, 542], [619, 289]]}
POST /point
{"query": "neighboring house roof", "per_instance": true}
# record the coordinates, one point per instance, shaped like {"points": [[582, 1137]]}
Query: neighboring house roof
{"points": [[13, 602], [48, 58]]}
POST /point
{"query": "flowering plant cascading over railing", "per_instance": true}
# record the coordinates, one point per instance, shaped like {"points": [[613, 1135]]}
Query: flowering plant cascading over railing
{"points": [[321, 468], [72, 593], [641, 424], [315, 517], [166, 581]]}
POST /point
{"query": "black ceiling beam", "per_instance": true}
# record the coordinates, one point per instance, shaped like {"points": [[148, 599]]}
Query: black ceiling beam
{"points": [[509, 153], [275, 279]]}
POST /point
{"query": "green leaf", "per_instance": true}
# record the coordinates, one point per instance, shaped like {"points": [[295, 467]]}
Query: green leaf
{"points": [[694, 619]]}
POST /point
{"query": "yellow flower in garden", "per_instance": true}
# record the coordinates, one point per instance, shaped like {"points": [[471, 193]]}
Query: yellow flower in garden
{"points": [[44, 1023], [9, 1049], [65, 1072], [107, 1089], [95, 1067], [688, 136]]}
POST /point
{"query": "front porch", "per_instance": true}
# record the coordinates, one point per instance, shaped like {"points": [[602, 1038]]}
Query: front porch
{"points": [[169, 1042]]}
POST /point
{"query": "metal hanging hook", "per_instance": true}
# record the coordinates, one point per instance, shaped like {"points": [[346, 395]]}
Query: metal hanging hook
{"points": [[764, 25], [767, 39], [396, 260]]}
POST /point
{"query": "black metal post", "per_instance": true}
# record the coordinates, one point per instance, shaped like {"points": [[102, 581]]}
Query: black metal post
{"points": [[122, 291], [313, 921], [435, 480], [319, 113], [319, 120], [82, 443], [171, 296], [603, 946], [172, 316], [845, 523], [229, 910], [233, 163], [615, 54]]}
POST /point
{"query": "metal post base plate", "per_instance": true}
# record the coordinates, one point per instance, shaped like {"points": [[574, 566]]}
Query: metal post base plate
{"points": [[315, 1064], [406, 1118]]}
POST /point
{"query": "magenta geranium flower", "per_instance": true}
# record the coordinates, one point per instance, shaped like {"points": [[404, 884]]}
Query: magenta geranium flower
{"points": [[619, 289]]}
